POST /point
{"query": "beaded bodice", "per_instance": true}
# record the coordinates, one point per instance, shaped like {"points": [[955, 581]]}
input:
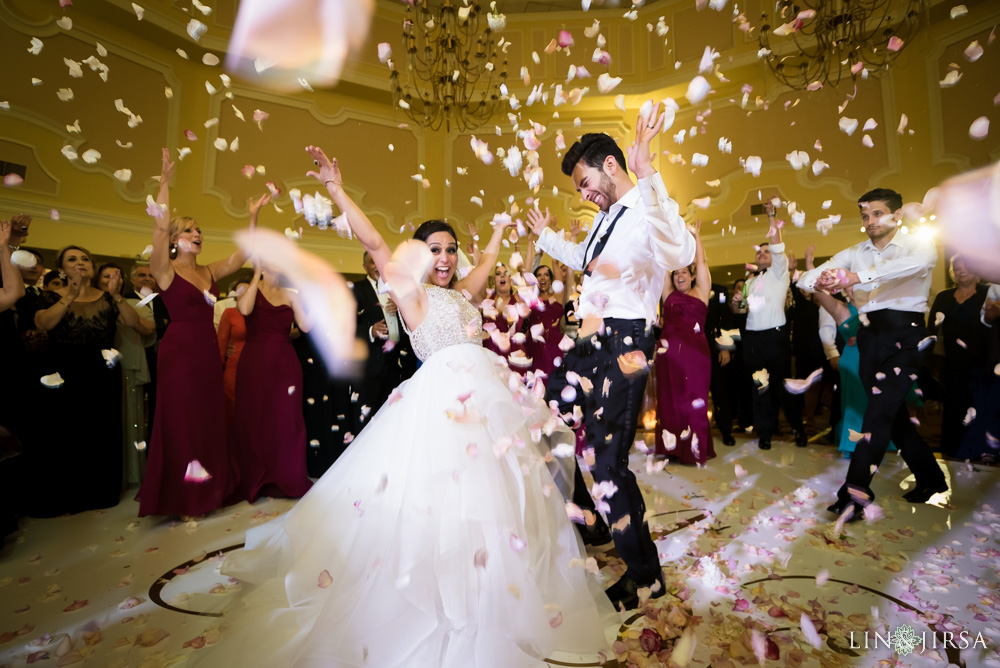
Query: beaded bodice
{"points": [[450, 321]]}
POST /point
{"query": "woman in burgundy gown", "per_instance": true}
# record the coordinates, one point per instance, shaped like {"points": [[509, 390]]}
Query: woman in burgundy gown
{"points": [[190, 470], [269, 431], [545, 326], [503, 318], [684, 365]]}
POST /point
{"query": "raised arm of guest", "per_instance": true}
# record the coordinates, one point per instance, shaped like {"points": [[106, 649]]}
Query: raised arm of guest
{"points": [[702, 276], [248, 299], [10, 277], [473, 248], [222, 268], [476, 280], [159, 260]]}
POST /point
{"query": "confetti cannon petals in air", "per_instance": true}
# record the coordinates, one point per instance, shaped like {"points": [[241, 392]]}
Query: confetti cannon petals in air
{"points": [[288, 40]]}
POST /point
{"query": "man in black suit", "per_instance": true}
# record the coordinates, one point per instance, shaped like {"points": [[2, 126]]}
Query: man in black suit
{"points": [[390, 357], [720, 318]]}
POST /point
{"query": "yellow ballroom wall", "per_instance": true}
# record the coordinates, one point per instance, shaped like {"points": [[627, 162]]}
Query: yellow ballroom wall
{"points": [[356, 122]]}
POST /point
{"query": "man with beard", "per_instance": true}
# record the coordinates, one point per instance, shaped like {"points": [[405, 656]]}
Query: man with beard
{"points": [[637, 236], [891, 277]]}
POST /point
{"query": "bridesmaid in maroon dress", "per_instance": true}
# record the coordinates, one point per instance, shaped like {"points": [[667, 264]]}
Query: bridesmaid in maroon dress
{"points": [[545, 326], [269, 429], [684, 369], [503, 319], [190, 470]]}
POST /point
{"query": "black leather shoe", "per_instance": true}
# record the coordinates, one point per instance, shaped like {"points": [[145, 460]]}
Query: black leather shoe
{"points": [[801, 439], [596, 534], [764, 443], [922, 494], [840, 506], [837, 507], [728, 440], [625, 592]]}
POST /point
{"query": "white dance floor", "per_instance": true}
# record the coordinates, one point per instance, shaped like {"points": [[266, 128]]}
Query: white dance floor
{"points": [[746, 544]]}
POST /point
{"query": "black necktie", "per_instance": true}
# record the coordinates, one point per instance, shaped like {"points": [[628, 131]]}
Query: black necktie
{"points": [[602, 243]]}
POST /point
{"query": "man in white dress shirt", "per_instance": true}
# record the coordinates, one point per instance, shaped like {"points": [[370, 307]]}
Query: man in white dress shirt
{"points": [[891, 277], [636, 238], [767, 350]]}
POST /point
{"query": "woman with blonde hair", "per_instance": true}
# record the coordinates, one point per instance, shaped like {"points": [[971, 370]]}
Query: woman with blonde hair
{"points": [[190, 470]]}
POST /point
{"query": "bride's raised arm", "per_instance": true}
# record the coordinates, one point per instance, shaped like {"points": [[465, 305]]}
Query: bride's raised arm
{"points": [[412, 303]]}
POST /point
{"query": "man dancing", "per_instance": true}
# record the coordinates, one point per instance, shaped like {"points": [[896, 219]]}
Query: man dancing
{"points": [[891, 277], [636, 238]]}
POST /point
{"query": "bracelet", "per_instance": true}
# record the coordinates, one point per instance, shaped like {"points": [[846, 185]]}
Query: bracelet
{"points": [[339, 183]]}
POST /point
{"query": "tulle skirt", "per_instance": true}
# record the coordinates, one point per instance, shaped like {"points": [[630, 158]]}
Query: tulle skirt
{"points": [[439, 539]]}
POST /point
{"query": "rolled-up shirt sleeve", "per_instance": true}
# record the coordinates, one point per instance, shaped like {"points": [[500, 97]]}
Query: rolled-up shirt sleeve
{"points": [[828, 334], [672, 244], [568, 252]]}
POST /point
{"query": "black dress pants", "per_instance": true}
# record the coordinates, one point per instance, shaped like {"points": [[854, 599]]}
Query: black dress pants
{"points": [[610, 360], [889, 362], [770, 349]]}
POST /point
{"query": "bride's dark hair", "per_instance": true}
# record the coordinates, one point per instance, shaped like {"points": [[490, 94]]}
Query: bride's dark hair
{"points": [[429, 227]]}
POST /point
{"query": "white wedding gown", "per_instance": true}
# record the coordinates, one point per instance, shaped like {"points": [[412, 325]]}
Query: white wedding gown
{"points": [[439, 538]]}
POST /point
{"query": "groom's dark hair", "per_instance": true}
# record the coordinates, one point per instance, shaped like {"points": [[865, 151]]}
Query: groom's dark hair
{"points": [[592, 150]]}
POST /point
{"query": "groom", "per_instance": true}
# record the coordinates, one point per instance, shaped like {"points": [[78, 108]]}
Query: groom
{"points": [[636, 239]]}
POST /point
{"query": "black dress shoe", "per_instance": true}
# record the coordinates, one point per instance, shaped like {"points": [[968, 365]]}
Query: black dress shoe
{"points": [[801, 439], [625, 592], [764, 443], [922, 494], [840, 506], [837, 507], [728, 440]]}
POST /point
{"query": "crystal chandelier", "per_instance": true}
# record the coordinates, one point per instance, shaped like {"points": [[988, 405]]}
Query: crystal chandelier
{"points": [[835, 37], [451, 77]]}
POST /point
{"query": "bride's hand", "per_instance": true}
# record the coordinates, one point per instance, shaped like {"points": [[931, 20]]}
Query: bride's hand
{"points": [[329, 171]]}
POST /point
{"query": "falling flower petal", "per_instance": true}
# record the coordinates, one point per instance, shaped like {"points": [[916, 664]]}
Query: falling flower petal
{"points": [[607, 83], [895, 44], [698, 89], [325, 579], [979, 128], [53, 380], [196, 473]]}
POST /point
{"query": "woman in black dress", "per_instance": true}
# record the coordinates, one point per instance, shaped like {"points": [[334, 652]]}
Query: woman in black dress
{"points": [[79, 462], [954, 317]]}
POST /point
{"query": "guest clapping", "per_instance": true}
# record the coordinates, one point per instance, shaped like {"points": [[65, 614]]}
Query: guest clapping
{"points": [[81, 321]]}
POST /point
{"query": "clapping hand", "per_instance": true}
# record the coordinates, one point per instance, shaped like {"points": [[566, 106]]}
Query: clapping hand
{"points": [[574, 228], [115, 283], [537, 221], [380, 330]]}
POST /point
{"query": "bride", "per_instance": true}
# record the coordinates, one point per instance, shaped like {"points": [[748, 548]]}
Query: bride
{"points": [[439, 539]]}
